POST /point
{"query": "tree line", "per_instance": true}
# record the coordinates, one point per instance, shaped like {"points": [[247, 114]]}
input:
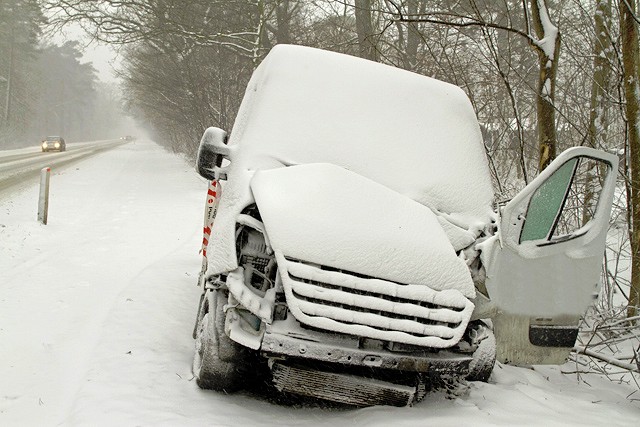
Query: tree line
{"points": [[45, 89]]}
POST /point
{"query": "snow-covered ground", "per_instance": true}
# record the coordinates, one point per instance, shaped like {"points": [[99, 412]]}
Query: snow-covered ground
{"points": [[97, 309]]}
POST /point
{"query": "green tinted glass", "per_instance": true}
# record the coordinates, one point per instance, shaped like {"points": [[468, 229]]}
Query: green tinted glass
{"points": [[546, 203]]}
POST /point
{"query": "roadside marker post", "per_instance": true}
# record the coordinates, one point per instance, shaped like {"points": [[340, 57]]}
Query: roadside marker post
{"points": [[43, 199]]}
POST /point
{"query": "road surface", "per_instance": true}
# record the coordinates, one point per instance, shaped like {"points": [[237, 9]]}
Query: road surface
{"points": [[21, 167]]}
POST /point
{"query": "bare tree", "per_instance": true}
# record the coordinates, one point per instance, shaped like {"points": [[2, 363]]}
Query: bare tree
{"points": [[630, 52], [547, 46], [598, 117], [545, 42], [598, 121], [192, 23], [367, 38]]}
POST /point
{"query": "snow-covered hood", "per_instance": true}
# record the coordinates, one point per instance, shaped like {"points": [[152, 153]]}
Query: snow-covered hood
{"points": [[324, 214]]}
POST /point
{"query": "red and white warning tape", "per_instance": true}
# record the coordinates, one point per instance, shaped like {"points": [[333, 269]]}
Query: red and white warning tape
{"points": [[211, 209]]}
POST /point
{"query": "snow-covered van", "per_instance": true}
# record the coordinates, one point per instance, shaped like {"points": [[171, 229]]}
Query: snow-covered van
{"points": [[352, 244]]}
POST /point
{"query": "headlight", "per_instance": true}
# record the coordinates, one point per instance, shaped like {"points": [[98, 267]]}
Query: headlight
{"points": [[57, 144], [44, 145]]}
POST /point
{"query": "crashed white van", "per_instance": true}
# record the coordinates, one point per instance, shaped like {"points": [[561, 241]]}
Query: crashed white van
{"points": [[351, 241]]}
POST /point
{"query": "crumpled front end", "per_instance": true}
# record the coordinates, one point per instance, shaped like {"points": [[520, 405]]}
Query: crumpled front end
{"points": [[371, 289], [360, 340], [374, 264]]}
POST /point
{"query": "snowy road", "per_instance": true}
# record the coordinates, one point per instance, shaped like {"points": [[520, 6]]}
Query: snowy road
{"points": [[18, 166], [97, 309]]}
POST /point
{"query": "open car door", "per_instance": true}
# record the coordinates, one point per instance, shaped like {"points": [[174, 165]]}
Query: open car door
{"points": [[544, 272]]}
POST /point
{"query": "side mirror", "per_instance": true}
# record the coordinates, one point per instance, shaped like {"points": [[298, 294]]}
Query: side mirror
{"points": [[213, 149]]}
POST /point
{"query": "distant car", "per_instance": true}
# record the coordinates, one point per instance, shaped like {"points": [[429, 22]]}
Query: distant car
{"points": [[53, 143], [127, 138]]}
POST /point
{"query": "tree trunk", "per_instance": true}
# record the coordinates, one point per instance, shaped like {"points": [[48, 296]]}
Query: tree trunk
{"points": [[261, 43], [548, 49], [598, 117], [364, 28], [283, 19], [630, 52], [598, 123], [413, 38]]}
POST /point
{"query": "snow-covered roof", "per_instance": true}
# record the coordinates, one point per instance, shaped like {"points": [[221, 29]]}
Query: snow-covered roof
{"points": [[416, 135]]}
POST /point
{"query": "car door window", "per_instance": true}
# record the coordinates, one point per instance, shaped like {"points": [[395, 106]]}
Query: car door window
{"points": [[565, 202], [546, 203], [583, 197]]}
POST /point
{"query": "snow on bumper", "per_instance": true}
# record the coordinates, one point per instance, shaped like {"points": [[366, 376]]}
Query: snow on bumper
{"points": [[343, 302]]}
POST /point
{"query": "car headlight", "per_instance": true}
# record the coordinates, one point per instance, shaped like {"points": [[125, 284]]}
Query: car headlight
{"points": [[44, 145], [57, 145]]}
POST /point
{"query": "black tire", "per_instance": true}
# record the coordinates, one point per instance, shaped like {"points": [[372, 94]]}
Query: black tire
{"points": [[219, 363], [484, 358]]}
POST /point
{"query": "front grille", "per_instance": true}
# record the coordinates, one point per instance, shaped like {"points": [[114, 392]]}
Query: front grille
{"points": [[350, 303]]}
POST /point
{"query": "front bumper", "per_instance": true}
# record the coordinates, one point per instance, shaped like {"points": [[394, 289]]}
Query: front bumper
{"points": [[275, 345], [353, 370]]}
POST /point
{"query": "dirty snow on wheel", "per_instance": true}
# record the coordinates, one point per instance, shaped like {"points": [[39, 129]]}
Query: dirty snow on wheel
{"points": [[97, 310]]}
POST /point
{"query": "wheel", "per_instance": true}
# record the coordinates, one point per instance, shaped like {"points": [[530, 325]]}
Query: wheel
{"points": [[219, 363], [484, 358]]}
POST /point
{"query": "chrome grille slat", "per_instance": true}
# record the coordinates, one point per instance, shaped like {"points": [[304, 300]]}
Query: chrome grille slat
{"points": [[375, 320], [335, 300], [419, 294], [397, 310], [364, 292]]}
